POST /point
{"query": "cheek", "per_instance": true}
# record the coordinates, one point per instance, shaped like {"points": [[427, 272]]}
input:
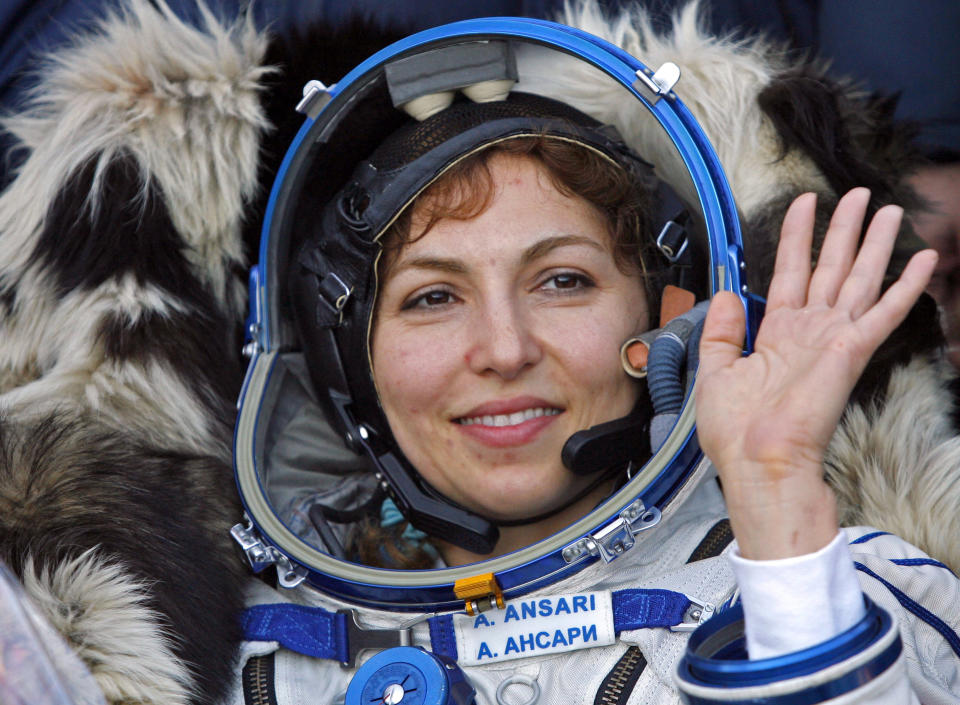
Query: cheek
{"points": [[592, 357], [410, 377], [595, 359]]}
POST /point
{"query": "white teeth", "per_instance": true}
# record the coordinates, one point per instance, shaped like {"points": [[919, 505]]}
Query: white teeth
{"points": [[513, 419]]}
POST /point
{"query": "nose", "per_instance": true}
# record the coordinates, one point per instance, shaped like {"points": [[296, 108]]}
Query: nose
{"points": [[505, 342]]}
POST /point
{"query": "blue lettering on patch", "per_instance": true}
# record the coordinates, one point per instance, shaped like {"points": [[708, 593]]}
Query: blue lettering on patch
{"points": [[543, 640], [528, 609], [580, 603], [481, 621], [484, 651], [562, 606], [546, 608], [526, 641], [511, 613]]}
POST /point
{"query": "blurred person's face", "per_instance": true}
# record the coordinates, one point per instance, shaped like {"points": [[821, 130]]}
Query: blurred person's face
{"points": [[939, 226]]}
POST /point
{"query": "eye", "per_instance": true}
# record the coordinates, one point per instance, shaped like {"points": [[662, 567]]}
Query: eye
{"points": [[567, 282], [429, 299]]}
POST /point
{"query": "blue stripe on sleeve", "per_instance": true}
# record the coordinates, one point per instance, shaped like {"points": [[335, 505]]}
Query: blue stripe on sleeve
{"points": [[920, 561], [916, 608], [868, 537]]}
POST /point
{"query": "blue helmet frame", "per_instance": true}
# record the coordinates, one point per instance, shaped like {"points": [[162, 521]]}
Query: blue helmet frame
{"points": [[269, 334]]}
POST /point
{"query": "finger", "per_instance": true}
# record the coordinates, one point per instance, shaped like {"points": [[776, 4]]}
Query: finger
{"points": [[723, 333], [839, 247], [862, 286], [880, 320], [791, 271]]}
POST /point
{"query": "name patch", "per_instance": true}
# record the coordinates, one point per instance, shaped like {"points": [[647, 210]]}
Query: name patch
{"points": [[534, 627]]}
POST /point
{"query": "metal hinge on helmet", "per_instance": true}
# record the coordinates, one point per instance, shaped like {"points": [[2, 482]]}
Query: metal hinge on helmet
{"points": [[615, 539], [315, 98], [261, 556], [659, 83]]}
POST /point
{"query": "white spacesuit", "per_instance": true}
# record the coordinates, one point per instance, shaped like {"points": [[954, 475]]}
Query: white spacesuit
{"points": [[636, 602], [640, 665]]}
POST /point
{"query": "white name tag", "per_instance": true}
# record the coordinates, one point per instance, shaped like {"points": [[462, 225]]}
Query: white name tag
{"points": [[534, 627]]}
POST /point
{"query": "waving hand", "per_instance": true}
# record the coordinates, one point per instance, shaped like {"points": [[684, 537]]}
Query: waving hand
{"points": [[765, 420]]}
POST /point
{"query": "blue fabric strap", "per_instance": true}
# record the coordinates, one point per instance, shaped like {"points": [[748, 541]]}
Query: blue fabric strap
{"points": [[314, 631], [643, 609], [311, 631], [442, 639]]}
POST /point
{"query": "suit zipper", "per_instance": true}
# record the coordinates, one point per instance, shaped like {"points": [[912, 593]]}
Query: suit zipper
{"points": [[619, 683], [258, 681]]}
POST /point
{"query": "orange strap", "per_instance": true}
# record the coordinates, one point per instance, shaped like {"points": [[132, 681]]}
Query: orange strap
{"points": [[675, 301]]}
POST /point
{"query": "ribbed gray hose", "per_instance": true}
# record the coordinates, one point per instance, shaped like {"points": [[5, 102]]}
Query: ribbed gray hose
{"points": [[672, 350]]}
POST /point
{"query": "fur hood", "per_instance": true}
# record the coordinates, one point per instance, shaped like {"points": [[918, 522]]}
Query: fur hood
{"points": [[122, 260], [122, 291], [120, 237]]}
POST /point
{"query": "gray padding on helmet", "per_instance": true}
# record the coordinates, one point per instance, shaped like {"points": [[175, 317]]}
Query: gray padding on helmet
{"points": [[670, 369], [298, 449], [449, 68]]}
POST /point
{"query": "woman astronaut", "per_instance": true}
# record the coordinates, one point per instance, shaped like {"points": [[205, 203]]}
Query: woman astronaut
{"points": [[444, 447]]}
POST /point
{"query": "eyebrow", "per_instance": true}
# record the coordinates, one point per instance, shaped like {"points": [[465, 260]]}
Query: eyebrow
{"points": [[547, 245], [531, 254], [442, 264]]}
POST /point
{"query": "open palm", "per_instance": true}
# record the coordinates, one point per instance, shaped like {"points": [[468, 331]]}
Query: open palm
{"points": [[765, 420]]}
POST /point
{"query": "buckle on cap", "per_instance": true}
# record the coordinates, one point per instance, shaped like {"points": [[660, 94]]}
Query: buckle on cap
{"points": [[335, 293], [672, 240]]}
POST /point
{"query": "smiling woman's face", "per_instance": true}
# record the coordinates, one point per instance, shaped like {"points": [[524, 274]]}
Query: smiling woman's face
{"points": [[498, 337]]}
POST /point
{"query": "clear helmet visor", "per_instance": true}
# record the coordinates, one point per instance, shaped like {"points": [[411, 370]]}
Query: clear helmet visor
{"points": [[305, 482]]}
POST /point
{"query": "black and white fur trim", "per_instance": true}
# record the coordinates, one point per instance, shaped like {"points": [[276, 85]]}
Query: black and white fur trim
{"points": [[120, 241], [121, 298], [125, 548], [895, 460], [107, 619], [120, 238]]}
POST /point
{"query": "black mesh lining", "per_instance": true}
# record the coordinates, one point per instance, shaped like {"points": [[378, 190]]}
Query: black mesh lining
{"points": [[419, 152]]}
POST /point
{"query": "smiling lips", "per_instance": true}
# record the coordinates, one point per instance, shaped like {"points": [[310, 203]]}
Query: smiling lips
{"points": [[509, 427], [514, 419]]}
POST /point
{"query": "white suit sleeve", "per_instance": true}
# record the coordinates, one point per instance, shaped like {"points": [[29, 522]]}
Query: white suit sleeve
{"points": [[812, 634], [794, 603]]}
